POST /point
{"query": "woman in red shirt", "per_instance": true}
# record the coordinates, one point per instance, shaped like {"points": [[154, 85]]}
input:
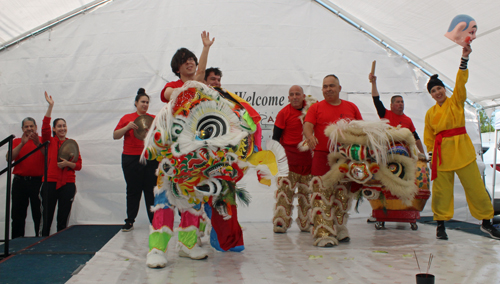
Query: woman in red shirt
{"points": [[60, 188], [139, 178]]}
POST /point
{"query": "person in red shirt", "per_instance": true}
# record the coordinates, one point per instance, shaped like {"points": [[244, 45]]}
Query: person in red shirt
{"points": [[139, 178], [288, 131], [185, 65], [396, 115], [27, 179], [329, 202], [60, 188]]}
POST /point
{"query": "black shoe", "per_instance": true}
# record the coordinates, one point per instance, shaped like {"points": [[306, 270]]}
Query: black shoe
{"points": [[441, 233], [492, 231], [345, 240], [127, 227]]}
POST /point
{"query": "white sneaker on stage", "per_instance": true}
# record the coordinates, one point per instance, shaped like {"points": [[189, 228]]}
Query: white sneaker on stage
{"points": [[196, 252], [156, 259]]}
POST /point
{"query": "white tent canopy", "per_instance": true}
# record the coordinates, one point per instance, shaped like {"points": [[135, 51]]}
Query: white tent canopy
{"points": [[22, 17], [415, 28], [94, 63]]}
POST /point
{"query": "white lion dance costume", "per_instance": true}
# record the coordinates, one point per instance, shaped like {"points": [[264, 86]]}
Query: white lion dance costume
{"points": [[373, 157], [204, 142]]}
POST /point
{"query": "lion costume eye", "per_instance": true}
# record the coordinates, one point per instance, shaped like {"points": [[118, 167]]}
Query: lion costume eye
{"points": [[211, 126], [397, 169]]}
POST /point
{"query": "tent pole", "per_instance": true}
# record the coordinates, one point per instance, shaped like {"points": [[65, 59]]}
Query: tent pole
{"points": [[494, 169]]}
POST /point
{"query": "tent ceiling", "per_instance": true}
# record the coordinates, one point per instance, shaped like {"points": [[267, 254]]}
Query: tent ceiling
{"points": [[419, 26], [19, 17], [414, 27]]}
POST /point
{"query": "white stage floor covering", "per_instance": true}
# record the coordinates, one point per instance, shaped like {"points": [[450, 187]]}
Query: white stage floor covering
{"points": [[372, 256]]}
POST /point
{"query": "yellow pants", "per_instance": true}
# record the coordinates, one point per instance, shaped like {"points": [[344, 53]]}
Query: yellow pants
{"points": [[442, 193]]}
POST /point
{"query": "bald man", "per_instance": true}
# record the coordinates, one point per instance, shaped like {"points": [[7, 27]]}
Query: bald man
{"points": [[329, 204], [288, 131]]}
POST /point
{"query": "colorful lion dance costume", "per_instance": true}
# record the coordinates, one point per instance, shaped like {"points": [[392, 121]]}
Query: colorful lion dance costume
{"points": [[367, 156], [204, 141]]}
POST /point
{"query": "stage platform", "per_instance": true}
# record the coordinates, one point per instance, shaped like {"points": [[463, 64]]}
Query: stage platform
{"points": [[372, 256]]}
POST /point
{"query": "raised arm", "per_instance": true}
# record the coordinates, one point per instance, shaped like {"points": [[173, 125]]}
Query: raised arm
{"points": [[51, 105], [46, 130], [202, 64], [376, 96], [459, 92]]}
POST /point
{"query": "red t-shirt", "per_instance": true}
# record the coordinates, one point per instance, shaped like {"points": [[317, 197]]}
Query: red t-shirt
{"points": [[31, 166], [173, 84], [54, 173], [131, 145], [403, 120], [288, 120], [323, 114]]}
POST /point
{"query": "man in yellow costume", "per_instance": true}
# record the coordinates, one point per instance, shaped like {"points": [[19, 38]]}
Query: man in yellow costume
{"points": [[451, 151]]}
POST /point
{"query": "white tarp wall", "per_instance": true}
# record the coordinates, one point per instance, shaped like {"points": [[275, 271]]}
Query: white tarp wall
{"points": [[94, 64]]}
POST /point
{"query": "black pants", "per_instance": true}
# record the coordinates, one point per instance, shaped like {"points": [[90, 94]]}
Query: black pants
{"points": [[25, 190], [63, 197], [139, 178]]}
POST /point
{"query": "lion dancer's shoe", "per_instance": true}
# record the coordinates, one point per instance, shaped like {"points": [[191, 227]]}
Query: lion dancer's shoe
{"points": [[342, 204], [284, 203], [159, 236], [226, 233], [188, 236], [324, 231], [304, 209]]}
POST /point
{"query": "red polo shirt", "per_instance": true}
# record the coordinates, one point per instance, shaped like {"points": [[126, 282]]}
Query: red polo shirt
{"points": [[31, 166]]}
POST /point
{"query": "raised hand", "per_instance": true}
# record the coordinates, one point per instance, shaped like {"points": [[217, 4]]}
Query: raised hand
{"points": [[205, 38], [372, 78], [466, 50], [49, 99]]}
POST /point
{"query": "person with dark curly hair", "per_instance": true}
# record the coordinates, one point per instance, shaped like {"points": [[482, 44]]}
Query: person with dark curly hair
{"points": [[185, 66]]}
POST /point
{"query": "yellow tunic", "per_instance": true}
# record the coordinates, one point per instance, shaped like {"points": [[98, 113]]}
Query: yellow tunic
{"points": [[457, 151]]}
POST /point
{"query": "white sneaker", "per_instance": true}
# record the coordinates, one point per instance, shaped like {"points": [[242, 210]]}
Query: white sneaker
{"points": [[156, 259], [194, 253]]}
